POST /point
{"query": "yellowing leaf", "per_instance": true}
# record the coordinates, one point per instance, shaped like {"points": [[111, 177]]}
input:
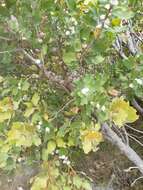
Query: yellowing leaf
{"points": [[29, 111], [97, 32], [6, 109], [46, 116], [60, 142], [121, 112], [6, 105], [35, 99], [40, 182], [51, 146], [23, 134], [4, 116]]}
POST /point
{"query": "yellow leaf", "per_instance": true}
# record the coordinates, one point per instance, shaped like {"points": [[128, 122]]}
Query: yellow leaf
{"points": [[116, 21], [121, 112], [90, 140], [94, 135], [46, 116]]}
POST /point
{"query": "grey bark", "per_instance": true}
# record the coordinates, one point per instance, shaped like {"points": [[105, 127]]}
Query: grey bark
{"points": [[137, 106], [110, 135]]}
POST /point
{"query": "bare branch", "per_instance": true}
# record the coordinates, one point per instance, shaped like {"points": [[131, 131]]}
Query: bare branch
{"points": [[133, 183], [5, 38], [10, 51], [136, 130], [52, 77], [137, 106], [136, 140], [110, 135], [130, 168]]}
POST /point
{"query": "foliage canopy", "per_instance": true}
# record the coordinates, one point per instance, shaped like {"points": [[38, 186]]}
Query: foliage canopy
{"points": [[66, 67]]}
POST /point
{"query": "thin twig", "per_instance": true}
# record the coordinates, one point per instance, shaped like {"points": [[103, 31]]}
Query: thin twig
{"points": [[133, 183], [5, 38], [135, 140], [52, 77], [60, 110], [31, 58], [136, 130], [120, 133], [126, 135], [130, 168], [10, 51]]}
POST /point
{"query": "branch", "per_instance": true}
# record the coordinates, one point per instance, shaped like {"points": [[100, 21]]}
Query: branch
{"points": [[5, 38], [136, 140], [137, 106], [110, 135], [133, 183], [118, 47], [51, 76], [136, 130], [130, 168]]}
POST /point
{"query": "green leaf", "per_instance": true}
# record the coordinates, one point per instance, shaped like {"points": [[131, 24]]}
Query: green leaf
{"points": [[1, 79], [66, 188], [77, 181], [71, 4], [69, 57], [86, 185], [25, 86], [123, 13]]}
